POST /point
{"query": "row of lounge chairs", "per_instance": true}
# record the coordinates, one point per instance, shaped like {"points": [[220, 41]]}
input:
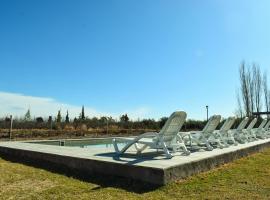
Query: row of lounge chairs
{"points": [[171, 140]]}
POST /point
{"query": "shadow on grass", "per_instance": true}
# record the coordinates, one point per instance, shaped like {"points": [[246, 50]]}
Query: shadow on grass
{"points": [[103, 181]]}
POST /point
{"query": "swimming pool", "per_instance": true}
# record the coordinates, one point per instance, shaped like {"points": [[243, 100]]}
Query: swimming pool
{"points": [[150, 167]]}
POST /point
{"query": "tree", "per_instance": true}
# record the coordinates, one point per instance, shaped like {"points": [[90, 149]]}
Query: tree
{"points": [[257, 86], [82, 115], [239, 111], [27, 116], [50, 119], [67, 118], [103, 119], [124, 118], [39, 120], [252, 87], [266, 91], [269, 100], [59, 117], [250, 77], [245, 89]]}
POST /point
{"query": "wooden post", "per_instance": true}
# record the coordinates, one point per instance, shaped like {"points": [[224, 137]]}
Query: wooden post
{"points": [[10, 129], [107, 119]]}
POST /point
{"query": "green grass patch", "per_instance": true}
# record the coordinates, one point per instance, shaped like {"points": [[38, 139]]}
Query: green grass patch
{"points": [[246, 178]]}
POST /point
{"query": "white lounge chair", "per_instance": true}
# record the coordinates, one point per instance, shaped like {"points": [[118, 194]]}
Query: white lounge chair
{"points": [[266, 131], [258, 132], [167, 139], [245, 135], [224, 134], [196, 139], [236, 133]]}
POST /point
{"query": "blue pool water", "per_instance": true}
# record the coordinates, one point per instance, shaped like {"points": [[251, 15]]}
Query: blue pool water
{"points": [[102, 145], [83, 143]]}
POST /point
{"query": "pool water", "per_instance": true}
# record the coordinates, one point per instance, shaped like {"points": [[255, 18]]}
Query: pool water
{"points": [[83, 143], [103, 145]]}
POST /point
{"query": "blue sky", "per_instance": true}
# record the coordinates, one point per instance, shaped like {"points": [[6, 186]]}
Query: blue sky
{"points": [[147, 58]]}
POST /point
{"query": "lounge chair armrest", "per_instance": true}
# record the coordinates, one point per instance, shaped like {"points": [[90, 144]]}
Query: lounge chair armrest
{"points": [[145, 135], [133, 140]]}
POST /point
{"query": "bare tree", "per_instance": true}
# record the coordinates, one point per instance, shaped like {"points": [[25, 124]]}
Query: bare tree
{"points": [[250, 83], [268, 101], [257, 86], [252, 88], [245, 80], [266, 91], [239, 111]]}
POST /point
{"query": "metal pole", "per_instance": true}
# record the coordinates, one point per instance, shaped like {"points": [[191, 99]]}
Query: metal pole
{"points": [[207, 112], [10, 129]]}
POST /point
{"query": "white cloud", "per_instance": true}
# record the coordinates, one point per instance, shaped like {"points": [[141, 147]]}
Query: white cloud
{"points": [[17, 104]]}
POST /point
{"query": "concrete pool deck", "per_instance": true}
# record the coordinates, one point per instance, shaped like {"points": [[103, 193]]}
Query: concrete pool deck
{"points": [[151, 167]]}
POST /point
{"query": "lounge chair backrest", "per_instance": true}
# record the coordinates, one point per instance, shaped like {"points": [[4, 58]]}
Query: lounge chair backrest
{"points": [[173, 125], [228, 124], [212, 124], [267, 125], [263, 124], [252, 124], [243, 124]]}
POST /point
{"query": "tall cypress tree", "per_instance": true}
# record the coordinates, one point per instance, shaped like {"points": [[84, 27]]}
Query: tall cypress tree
{"points": [[59, 117], [82, 115], [27, 116], [67, 118]]}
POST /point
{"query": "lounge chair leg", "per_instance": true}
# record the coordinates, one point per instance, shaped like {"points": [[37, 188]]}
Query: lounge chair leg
{"points": [[166, 151], [186, 152], [182, 145], [220, 145], [139, 150], [231, 139], [115, 146], [225, 143], [184, 149], [208, 146], [174, 149]]}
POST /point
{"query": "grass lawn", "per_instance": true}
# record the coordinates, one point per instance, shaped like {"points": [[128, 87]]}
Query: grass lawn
{"points": [[246, 178]]}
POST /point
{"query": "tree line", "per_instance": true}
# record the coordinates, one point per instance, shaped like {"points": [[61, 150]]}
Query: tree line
{"points": [[85, 122]]}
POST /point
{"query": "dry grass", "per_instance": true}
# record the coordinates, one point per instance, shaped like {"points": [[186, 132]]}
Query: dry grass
{"points": [[247, 178]]}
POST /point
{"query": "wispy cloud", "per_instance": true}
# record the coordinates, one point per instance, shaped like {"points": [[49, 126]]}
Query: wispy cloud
{"points": [[17, 105]]}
